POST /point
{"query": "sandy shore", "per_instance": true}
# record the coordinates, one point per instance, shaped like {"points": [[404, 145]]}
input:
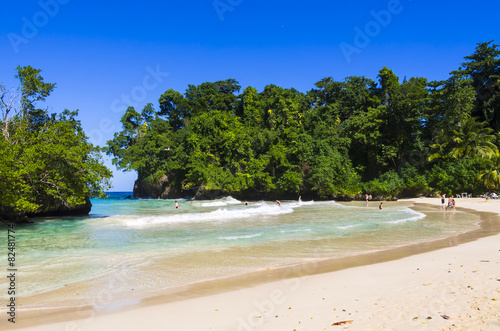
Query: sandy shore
{"points": [[454, 288]]}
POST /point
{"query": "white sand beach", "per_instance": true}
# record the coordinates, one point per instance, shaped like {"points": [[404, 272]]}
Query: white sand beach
{"points": [[453, 288]]}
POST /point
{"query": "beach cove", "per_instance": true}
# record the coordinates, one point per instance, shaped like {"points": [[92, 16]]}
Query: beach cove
{"points": [[310, 283]]}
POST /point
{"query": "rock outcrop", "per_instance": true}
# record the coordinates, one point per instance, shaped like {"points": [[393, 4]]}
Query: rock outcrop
{"points": [[48, 208], [160, 189], [58, 208]]}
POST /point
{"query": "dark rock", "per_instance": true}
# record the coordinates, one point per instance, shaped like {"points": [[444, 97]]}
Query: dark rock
{"points": [[161, 188], [58, 208], [49, 207], [203, 194]]}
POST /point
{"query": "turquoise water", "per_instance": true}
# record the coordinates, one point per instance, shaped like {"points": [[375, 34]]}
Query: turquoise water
{"points": [[148, 245]]}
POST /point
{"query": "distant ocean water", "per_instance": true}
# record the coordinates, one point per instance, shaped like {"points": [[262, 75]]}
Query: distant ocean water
{"points": [[148, 245]]}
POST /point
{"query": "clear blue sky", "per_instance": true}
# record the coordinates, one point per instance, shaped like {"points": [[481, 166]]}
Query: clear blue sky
{"points": [[101, 53]]}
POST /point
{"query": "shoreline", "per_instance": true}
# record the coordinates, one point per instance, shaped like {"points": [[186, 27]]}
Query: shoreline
{"points": [[292, 287]]}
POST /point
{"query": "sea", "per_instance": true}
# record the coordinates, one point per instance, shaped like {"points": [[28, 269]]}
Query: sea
{"points": [[129, 249]]}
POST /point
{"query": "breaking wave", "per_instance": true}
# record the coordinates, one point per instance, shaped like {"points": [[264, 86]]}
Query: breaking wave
{"points": [[221, 214]]}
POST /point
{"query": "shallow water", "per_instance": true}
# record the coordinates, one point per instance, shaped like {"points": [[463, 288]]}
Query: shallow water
{"points": [[131, 248]]}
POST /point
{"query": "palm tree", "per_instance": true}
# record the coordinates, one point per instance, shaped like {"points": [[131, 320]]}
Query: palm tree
{"points": [[468, 137], [491, 175], [473, 138]]}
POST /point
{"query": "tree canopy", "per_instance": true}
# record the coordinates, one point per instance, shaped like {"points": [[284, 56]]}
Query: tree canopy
{"points": [[389, 137], [46, 163]]}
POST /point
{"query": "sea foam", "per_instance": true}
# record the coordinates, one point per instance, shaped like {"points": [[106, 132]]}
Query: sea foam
{"points": [[412, 216], [222, 202], [249, 236], [221, 214]]}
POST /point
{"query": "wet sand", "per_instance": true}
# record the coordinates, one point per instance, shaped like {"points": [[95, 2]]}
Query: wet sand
{"points": [[395, 289]]}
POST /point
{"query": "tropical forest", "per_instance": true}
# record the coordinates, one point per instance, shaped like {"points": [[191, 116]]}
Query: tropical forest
{"points": [[390, 137]]}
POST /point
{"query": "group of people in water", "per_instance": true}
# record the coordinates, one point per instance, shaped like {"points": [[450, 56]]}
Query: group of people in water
{"points": [[369, 197], [278, 203], [451, 202]]}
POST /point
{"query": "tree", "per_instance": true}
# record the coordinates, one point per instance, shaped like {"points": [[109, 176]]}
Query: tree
{"points": [[46, 163], [8, 100], [483, 67], [491, 175], [33, 90], [389, 83], [404, 130], [468, 137], [175, 108]]}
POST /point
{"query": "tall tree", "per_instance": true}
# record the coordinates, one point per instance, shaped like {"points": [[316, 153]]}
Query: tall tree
{"points": [[33, 90], [483, 67], [491, 174]]}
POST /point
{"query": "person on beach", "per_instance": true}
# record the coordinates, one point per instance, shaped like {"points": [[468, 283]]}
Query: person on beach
{"points": [[300, 198], [366, 198], [278, 203], [451, 201], [381, 206], [246, 203], [443, 201], [176, 205]]}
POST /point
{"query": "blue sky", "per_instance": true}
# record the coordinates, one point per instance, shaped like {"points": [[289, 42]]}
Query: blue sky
{"points": [[105, 56]]}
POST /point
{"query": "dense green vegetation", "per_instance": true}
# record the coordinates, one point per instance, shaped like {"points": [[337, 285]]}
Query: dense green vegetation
{"points": [[46, 164], [387, 138]]}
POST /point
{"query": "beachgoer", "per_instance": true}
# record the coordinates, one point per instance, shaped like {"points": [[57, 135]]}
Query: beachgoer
{"points": [[453, 203], [443, 201], [278, 202], [366, 198], [300, 198], [450, 202], [176, 205], [246, 203], [381, 206]]}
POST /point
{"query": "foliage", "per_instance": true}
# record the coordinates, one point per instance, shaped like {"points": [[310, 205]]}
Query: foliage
{"points": [[389, 138], [483, 68], [466, 138], [45, 161], [388, 185], [491, 174], [457, 176]]}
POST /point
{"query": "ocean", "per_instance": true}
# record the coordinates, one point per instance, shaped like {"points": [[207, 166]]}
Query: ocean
{"points": [[129, 249]]}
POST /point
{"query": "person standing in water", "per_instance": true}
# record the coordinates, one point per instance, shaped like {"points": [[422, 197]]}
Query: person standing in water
{"points": [[443, 201], [450, 202], [176, 205], [381, 206]]}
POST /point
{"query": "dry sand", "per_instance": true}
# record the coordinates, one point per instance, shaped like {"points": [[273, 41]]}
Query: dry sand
{"points": [[454, 288]]}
